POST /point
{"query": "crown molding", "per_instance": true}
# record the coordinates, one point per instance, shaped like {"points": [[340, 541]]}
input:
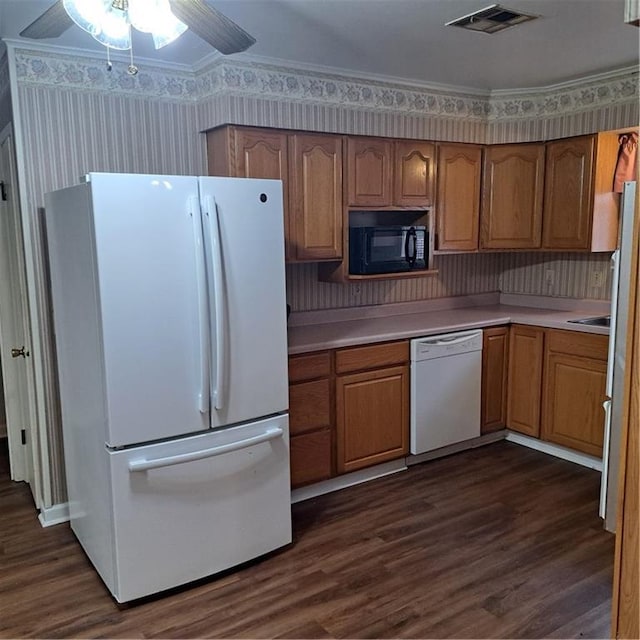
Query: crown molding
{"points": [[270, 79]]}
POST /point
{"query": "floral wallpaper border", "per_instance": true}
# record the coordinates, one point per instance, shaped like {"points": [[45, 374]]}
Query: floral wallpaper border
{"points": [[227, 77], [91, 74]]}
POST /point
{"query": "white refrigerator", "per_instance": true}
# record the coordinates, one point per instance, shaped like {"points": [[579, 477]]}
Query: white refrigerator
{"points": [[168, 297], [613, 406]]}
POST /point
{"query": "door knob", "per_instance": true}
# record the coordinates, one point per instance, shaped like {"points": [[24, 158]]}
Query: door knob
{"points": [[16, 353]]}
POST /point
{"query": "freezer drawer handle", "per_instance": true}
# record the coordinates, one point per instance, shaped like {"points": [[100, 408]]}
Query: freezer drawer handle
{"points": [[158, 463]]}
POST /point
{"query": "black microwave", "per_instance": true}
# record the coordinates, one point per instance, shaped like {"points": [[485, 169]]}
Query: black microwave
{"points": [[387, 249]]}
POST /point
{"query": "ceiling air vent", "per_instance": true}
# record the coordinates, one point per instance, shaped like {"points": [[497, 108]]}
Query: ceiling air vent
{"points": [[491, 19]]}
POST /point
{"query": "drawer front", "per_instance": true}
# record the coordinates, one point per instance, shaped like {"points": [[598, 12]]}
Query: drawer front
{"points": [[310, 457], [309, 366], [309, 406], [372, 357], [585, 345]]}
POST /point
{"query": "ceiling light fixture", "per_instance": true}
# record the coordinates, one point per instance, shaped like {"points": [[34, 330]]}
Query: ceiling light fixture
{"points": [[110, 21]]}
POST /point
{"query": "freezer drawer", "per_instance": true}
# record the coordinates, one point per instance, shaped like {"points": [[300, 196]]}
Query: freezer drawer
{"points": [[193, 507]]}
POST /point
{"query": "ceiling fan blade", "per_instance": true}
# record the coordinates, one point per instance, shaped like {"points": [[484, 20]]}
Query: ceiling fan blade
{"points": [[51, 24], [212, 26]]}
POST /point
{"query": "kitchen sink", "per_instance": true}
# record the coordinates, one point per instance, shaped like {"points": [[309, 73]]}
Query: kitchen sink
{"points": [[600, 321]]}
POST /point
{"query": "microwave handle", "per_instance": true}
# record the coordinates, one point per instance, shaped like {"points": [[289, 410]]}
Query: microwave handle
{"points": [[411, 257]]}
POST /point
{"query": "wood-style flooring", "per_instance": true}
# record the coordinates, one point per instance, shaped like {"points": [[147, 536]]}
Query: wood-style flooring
{"points": [[500, 541]]}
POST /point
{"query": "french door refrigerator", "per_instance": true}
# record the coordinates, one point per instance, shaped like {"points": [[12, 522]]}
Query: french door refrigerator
{"points": [[168, 295], [621, 262]]}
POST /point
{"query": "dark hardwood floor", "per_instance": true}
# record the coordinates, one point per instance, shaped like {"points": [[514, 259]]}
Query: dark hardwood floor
{"points": [[498, 542]]}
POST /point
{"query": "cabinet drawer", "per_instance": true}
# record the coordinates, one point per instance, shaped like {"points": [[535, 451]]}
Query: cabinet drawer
{"points": [[585, 345], [310, 457], [372, 357], [309, 366], [309, 406]]}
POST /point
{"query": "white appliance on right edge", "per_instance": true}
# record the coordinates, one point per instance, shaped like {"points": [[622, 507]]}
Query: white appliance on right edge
{"points": [[621, 265]]}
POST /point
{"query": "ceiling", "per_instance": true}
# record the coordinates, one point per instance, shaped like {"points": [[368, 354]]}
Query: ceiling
{"points": [[400, 38]]}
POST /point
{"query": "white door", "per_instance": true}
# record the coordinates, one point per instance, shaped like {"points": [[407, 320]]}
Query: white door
{"points": [[152, 295], [244, 238], [15, 356]]}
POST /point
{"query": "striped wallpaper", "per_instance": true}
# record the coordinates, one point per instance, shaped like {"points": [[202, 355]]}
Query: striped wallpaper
{"points": [[458, 275], [66, 134], [74, 118]]}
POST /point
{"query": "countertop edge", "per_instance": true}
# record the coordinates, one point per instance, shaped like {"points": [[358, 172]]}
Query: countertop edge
{"points": [[334, 335]]}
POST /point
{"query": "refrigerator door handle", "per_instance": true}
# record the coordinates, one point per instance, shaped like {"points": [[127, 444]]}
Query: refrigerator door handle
{"points": [[615, 268], [158, 463], [203, 320], [219, 390], [602, 511]]}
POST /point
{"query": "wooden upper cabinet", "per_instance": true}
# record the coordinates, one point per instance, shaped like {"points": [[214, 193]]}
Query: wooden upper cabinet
{"points": [[247, 152], [369, 172], [261, 154], [413, 173], [580, 208], [568, 193], [512, 191], [495, 357], [316, 197], [575, 373], [525, 379], [458, 197]]}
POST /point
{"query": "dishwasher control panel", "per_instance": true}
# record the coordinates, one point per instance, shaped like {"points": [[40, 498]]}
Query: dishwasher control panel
{"points": [[445, 345]]}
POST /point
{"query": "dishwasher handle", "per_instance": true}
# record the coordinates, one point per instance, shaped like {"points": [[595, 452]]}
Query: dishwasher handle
{"points": [[447, 341]]}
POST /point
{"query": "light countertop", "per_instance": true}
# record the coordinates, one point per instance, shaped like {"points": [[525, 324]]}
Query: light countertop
{"points": [[340, 330]]}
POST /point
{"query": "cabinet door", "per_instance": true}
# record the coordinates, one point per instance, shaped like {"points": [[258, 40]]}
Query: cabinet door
{"points": [[568, 194], [316, 197], [260, 153], [413, 171], [574, 389], [495, 357], [525, 379], [513, 181], [372, 417], [369, 172], [458, 197]]}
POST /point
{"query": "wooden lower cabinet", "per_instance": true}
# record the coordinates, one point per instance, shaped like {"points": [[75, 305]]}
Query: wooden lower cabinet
{"points": [[575, 373], [525, 379], [495, 357], [372, 417], [311, 418], [311, 457]]}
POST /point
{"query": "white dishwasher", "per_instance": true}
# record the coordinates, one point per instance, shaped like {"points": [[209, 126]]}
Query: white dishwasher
{"points": [[446, 373]]}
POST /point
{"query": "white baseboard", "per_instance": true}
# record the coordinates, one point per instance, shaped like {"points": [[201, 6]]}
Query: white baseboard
{"points": [[347, 480], [555, 450], [56, 514]]}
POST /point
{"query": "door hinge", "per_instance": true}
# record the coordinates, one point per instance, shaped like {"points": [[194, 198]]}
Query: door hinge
{"points": [[23, 436], [3, 191]]}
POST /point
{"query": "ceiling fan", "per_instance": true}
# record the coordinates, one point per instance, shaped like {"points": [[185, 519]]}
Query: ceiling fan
{"points": [[206, 22]]}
